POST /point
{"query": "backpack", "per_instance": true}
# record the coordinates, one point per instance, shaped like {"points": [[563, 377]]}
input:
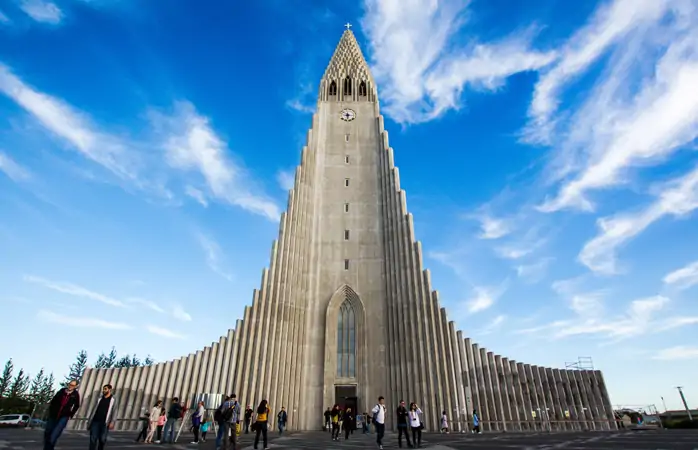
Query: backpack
{"points": [[228, 414], [218, 414], [375, 415]]}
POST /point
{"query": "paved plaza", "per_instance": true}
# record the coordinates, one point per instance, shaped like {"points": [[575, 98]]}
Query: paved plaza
{"points": [[626, 440]]}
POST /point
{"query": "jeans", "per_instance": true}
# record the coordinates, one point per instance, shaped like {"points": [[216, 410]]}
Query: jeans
{"points": [[417, 436], [281, 427], [228, 441], [54, 428], [380, 431], [261, 429], [219, 435], [98, 435], [247, 426], [402, 429], [169, 434], [195, 429]]}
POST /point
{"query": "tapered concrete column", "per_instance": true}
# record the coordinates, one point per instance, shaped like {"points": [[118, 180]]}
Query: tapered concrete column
{"points": [[136, 394], [475, 385], [503, 392], [123, 393], [86, 390], [513, 412]]}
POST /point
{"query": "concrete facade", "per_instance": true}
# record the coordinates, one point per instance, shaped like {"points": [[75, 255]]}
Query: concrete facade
{"points": [[347, 241]]}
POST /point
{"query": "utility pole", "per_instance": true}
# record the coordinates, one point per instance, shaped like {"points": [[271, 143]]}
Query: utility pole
{"points": [[664, 403], [685, 405]]}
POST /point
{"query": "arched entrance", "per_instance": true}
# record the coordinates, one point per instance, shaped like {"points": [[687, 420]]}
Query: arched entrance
{"points": [[345, 349]]}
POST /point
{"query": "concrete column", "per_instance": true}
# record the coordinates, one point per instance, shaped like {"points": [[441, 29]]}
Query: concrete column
{"points": [[447, 387], [251, 325], [223, 386], [495, 393], [526, 400], [536, 401], [163, 392], [86, 390], [426, 353], [243, 349], [517, 395], [205, 368], [502, 380], [147, 401], [218, 366], [134, 398], [606, 400], [591, 398], [185, 388], [475, 380], [511, 404], [461, 377], [557, 415]]}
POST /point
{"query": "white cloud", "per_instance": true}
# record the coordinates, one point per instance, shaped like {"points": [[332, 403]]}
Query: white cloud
{"points": [[534, 272], [191, 145], [620, 126], [42, 11], [180, 314], [79, 322], [164, 332], [484, 298], [74, 290], [420, 72], [609, 24], [12, 169], [286, 179], [676, 198], [492, 326], [684, 277], [197, 195], [214, 255], [492, 228], [297, 105], [71, 125], [676, 353], [146, 303]]}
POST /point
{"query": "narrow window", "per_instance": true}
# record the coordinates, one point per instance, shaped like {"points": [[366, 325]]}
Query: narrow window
{"points": [[346, 182], [333, 88], [346, 341], [346, 264], [347, 86], [346, 159], [362, 89], [346, 138], [346, 207], [346, 235]]}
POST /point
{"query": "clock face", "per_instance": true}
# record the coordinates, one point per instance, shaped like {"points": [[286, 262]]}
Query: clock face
{"points": [[347, 115]]}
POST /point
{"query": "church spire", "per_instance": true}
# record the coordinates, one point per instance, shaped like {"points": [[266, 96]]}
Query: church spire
{"points": [[347, 77]]}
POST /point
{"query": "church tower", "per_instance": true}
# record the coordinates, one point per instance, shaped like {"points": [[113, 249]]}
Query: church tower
{"points": [[346, 311]]}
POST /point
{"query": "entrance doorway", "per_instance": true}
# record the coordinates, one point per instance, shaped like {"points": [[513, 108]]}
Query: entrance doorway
{"points": [[345, 397]]}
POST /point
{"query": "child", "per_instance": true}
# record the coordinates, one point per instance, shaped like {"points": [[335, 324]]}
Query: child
{"points": [[204, 429], [161, 424]]}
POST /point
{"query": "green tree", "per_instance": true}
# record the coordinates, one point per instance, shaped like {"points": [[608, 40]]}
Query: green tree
{"points": [[124, 361], [37, 384], [106, 361], [6, 378], [148, 361], [19, 386], [46, 392], [135, 362], [78, 367]]}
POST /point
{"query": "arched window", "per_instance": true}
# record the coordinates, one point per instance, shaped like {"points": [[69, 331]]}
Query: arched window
{"points": [[346, 342], [333, 88], [347, 86], [362, 89]]}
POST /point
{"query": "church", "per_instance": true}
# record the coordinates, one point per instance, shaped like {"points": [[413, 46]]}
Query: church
{"points": [[346, 311]]}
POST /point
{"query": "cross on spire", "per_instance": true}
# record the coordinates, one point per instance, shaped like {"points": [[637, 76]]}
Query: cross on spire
{"points": [[347, 25]]}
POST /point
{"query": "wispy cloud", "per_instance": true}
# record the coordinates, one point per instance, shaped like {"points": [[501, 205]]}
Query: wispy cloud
{"points": [[74, 290], [180, 314], [491, 227], [484, 298], [684, 277], [79, 322], [677, 353], [12, 169], [214, 255], [197, 195], [676, 198], [146, 303], [618, 128], [42, 11], [421, 72], [534, 272], [494, 325], [286, 179], [193, 146], [164, 332]]}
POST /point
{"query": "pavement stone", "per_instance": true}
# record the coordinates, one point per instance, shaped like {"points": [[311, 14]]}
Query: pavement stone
{"points": [[12, 439]]}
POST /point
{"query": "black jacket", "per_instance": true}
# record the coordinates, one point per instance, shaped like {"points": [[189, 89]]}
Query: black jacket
{"points": [[175, 411], [71, 407], [402, 415]]}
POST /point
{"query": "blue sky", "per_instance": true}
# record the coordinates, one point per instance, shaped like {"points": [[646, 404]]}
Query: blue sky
{"points": [[547, 152]]}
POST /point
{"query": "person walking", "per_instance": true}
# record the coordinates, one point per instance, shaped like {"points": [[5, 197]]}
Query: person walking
{"points": [[444, 422], [348, 423], [145, 424], [416, 424], [378, 412], [103, 419], [402, 414], [196, 418], [334, 417], [173, 415], [248, 418], [261, 421], [328, 417], [231, 418], [281, 420], [476, 422], [62, 408], [154, 417], [162, 420]]}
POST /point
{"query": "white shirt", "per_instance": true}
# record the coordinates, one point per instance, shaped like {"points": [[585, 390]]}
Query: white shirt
{"points": [[414, 418], [380, 409], [154, 414], [200, 412]]}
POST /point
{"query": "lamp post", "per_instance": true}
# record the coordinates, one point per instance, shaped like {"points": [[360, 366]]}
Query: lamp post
{"points": [[685, 405]]}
